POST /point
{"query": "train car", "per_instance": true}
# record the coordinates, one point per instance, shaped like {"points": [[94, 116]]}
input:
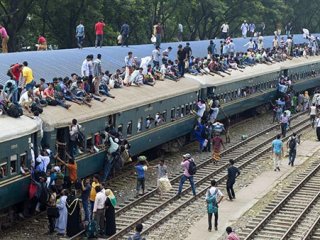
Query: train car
{"points": [[257, 85], [16, 138], [134, 113]]}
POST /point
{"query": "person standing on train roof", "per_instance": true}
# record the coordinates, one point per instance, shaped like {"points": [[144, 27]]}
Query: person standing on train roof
{"points": [[124, 31], [165, 55], [15, 72], [277, 152], [244, 28], [224, 30], [252, 28], [188, 51], [182, 57], [156, 57], [158, 32], [188, 173], [97, 74], [80, 34], [99, 32], [5, 38], [42, 44], [27, 73], [211, 49]]}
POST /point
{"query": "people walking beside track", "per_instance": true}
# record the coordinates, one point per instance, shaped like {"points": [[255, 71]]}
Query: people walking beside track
{"points": [[213, 197], [189, 170], [277, 151], [231, 234], [141, 168], [233, 173], [217, 142], [292, 146], [318, 127], [313, 113], [284, 120]]}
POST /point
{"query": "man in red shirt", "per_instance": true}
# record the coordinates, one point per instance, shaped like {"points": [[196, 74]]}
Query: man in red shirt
{"points": [[42, 44], [99, 32], [15, 72]]}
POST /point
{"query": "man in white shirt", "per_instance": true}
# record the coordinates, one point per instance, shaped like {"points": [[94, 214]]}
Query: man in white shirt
{"points": [[98, 208], [313, 113], [26, 99], [156, 57], [213, 190], [225, 30], [165, 55], [180, 32]]}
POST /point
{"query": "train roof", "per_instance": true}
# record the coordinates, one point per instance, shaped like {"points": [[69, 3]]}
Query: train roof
{"points": [[251, 72], [13, 128], [61, 63], [126, 98]]}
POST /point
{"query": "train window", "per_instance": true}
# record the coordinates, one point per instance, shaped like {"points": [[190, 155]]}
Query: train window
{"points": [[178, 113], [90, 144], [3, 169], [148, 121], [182, 111], [187, 109], [13, 164], [120, 129], [164, 116], [23, 163], [129, 128], [139, 125], [158, 120], [172, 116]]}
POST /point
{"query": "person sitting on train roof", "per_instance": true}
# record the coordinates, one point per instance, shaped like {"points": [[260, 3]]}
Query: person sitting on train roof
{"points": [[104, 85], [11, 89], [79, 93], [117, 79], [68, 95], [54, 97], [26, 100], [136, 77], [86, 87]]}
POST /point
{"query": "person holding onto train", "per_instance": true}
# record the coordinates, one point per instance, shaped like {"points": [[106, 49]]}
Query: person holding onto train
{"points": [[72, 169]]}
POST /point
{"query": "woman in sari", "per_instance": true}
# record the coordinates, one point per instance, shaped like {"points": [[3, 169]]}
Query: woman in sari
{"points": [[110, 205]]}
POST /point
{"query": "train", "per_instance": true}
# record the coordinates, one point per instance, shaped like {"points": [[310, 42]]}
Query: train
{"points": [[129, 113]]}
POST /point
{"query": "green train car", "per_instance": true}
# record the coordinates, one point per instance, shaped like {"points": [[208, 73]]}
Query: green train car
{"points": [[130, 113]]}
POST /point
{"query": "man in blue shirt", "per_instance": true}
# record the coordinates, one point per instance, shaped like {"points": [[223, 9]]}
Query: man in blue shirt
{"points": [[80, 34], [11, 89], [277, 151], [141, 168]]}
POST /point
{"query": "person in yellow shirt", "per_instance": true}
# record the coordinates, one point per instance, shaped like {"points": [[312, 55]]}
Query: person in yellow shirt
{"points": [[27, 74], [93, 193]]}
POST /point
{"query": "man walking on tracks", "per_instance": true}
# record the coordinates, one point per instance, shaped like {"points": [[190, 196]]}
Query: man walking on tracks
{"points": [[189, 168], [213, 197], [233, 173], [277, 151], [292, 146]]}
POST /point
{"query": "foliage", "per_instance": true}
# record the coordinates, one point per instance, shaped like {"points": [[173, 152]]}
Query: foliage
{"points": [[25, 20]]}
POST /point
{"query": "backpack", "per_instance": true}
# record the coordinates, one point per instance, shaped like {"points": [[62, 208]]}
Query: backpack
{"points": [[192, 168], [14, 110], [292, 143], [92, 229]]}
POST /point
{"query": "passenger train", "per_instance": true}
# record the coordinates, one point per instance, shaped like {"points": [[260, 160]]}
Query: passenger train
{"points": [[129, 113]]}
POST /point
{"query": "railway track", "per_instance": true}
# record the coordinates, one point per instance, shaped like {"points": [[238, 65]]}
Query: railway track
{"points": [[294, 214], [153, 212]]}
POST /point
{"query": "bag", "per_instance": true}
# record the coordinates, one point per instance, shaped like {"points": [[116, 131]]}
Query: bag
{"points": [[52, 102], [92, 229], [36, 108], [293, 143], [33, 188], [14, 110], [212, 205], [53, 212], [164, 184], [192, 168]]}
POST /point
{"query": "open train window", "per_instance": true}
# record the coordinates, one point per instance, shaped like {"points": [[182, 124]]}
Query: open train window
{"points": [[178, 113], [23, 163], [187, 109], [129, 128], [164, 116], [182, 111], [139, 125], [172, 116], [13, 164], [120, 129], [3, 168], [89, 144]]}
